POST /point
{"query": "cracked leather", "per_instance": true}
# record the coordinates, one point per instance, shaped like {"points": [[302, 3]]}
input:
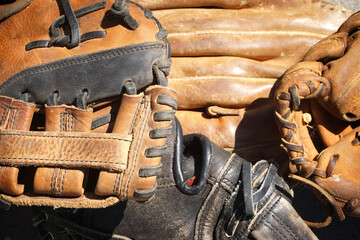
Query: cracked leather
{"points": [[171, 214]]}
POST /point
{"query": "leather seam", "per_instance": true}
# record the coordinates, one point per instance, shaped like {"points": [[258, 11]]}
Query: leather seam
{"points": [[115, 190], [281, 222], [52, 181], [57, 160], [139, 138], [87, 59], [74, 137]]}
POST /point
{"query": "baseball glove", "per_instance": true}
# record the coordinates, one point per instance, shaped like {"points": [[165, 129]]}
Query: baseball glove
{"points": [[226, 57], [57, 148], [204, 192], [328, 75]]}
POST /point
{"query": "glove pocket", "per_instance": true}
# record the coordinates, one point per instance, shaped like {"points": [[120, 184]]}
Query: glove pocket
{"points": [[337, 172]]}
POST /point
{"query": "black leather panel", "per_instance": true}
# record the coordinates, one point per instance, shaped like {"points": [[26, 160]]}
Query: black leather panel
{"points": [[101, 74]]}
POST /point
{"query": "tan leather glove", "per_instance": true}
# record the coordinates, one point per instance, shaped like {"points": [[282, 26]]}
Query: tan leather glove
{"points": [[57, 148], [328, 78], [227, 58]]}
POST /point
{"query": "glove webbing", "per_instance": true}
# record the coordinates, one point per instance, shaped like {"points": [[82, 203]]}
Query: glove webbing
{"points": [[119, 8]]}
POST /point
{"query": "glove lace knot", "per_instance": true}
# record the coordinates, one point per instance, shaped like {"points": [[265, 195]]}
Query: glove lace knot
{"points": [[122, 10], [70, 16], [292, 100]]}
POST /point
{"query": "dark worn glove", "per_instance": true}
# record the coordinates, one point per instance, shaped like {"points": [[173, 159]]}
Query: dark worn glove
{"points": [[204, 192]]}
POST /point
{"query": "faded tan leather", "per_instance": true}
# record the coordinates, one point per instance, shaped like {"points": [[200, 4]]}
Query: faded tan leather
{"points": [[341, 59], [68, 149], [237, 81], [288, 93], [251, 46], [106, 185], [57, 181], [136, 114], [338, 173], [232, 4], [252, 51], [120, 156], [330, 129], [251, 133], [229, 59], [259, 32], [15, 114], [15, 58]]}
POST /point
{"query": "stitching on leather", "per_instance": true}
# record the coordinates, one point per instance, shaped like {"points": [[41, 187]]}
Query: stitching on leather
{"points": [[284, 225], [52, 182], [61, 122], [147, 114], [12, 118], [266, 211], [165, 186], [4, 113], [26, 162], [274, 230], [123, 184], [140, 137], [58, 181], [115, 190], [63, 181], [69, 62], [75, 137], [135, 116], [204, 211], [6, 109]]}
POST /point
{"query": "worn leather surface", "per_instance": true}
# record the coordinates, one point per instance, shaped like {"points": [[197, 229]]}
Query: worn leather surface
{"points": [[321, 78], [340, 173], [57, 181], [9, 8], [231, 4], [28, 70], [213, 30], [15, 114], [124, 163], [230, 57], [341, 69], [83, 53], [171, 214], [251, 133]]}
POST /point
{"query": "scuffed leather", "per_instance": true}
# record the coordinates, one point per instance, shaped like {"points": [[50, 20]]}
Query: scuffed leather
{"points": [[340, 173], [78, 68], [15, 114], [171, 214], [230, 56], [109, 163], [340, 55], [231, 4]]}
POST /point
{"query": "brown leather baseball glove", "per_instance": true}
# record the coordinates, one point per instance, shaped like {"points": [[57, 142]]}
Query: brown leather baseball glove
{"points": [[68, 69], [328, 78], [226, 56]]}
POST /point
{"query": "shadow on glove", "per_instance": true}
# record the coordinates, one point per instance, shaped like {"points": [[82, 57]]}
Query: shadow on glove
{"points": [[224, 197]]}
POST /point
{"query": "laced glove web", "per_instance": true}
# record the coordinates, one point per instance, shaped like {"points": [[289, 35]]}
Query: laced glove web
{"points": [[327, 80], [60, 87]]}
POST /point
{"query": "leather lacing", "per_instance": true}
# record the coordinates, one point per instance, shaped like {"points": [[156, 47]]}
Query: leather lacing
{"points": [[157, 151], [119, 9], [52, 223], [253, 191], [286, 122]]}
